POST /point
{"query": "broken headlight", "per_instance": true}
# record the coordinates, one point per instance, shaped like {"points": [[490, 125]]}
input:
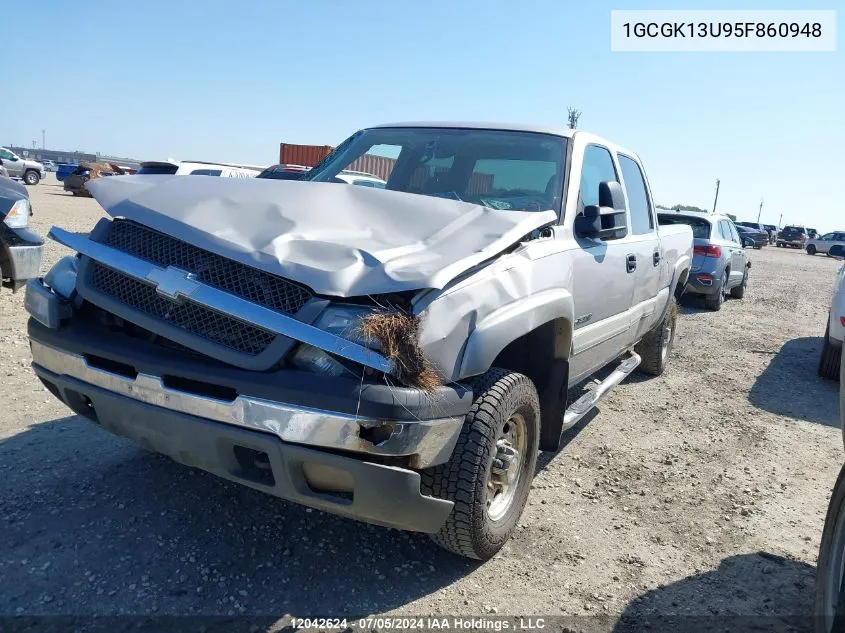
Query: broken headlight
{"points": [[344, 321], [316, 360], [62, 276]]}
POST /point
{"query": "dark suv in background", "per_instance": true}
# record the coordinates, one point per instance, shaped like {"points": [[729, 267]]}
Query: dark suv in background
{"points": [[794, 236]]}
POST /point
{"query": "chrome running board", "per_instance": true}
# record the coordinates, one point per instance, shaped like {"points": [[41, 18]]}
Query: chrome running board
{"points": [[583, 405]]}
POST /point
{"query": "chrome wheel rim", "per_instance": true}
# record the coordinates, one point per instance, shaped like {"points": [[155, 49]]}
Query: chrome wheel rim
{"points": [[505, 472], [668, 333]]}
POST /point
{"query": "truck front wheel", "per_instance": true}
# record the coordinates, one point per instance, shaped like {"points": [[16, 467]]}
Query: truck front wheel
{"points": [[489, 475], [31, 177]]}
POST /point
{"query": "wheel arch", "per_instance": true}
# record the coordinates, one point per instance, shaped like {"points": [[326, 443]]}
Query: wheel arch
{"points": [[545, 317]]}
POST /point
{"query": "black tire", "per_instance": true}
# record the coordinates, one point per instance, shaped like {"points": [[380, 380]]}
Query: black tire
{"points": [[758, 247], [714, 302], [811, 250], [31, 177], [830, 359], [828, 580], [655, 347], [499, 396], [739, 291]]}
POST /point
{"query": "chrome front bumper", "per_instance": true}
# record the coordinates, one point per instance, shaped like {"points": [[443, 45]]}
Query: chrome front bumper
{"points": [[426, 442]]}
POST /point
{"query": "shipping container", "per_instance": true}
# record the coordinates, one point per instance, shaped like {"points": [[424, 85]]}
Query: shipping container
{"points": [[306, 155], [378, 166]]}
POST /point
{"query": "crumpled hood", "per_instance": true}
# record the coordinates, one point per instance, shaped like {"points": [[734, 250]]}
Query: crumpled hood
{"points": [[341, 240]]}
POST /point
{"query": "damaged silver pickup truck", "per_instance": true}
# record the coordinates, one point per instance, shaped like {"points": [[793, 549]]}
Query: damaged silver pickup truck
{"points": [[397, 355]]}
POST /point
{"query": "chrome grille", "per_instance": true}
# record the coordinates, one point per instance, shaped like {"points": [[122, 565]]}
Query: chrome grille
{"points": [[198, 320], [270, 291]]}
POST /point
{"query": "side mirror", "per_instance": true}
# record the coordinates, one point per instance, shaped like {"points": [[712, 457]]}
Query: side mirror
{"points": [[608, 219], [837, 251]]}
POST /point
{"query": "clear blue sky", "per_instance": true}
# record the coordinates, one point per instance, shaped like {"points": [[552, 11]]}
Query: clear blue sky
{"points": [[230, 80]]}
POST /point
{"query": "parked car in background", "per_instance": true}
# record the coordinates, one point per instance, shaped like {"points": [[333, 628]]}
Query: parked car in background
{"points": [[77, 181], [792, 235], [284, 172], [48, 165], [30, 171], [769, 230], [758, 238], [198, 168], [752, 225], [719, 263], [20, 248], [834, 334], [772, 230], [63, 170], [823, 243], [394, 356], [812, 233]]}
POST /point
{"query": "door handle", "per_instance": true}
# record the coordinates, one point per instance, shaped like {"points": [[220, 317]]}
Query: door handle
{"points": [[656, 258], [631, 263]]}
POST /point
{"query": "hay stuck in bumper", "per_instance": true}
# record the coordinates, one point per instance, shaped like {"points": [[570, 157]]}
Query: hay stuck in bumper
{"points": [[397, 334]]}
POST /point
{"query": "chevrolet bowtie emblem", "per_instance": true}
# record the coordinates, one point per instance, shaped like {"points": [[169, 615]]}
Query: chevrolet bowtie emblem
{"points": [[173, 282]]}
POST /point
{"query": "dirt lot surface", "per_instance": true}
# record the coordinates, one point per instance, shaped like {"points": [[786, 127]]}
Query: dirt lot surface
{"points": [[701, 492]]}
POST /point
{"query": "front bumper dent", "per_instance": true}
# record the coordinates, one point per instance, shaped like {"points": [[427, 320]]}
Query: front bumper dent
{"points": [[424, 442], [379, 494]]}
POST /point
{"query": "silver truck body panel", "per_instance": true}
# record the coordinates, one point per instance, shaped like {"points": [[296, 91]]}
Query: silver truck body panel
{"points": [[338, 240]]}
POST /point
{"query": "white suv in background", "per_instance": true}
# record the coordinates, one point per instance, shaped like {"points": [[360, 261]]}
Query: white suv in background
{"points": [[822, 243], [835, 333], [198, 168]]}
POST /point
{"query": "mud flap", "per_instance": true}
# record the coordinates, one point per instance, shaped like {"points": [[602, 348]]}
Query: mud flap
{"points": [[553, 405]]}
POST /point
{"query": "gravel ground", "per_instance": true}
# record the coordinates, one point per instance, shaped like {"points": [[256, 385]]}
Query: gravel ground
{"points": [[701, 492]]}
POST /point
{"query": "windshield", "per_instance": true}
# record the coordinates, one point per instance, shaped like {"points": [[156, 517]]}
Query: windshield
{"points": [[496, 168]]}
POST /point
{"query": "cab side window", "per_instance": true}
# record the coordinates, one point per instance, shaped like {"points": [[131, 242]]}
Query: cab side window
{"points": [[642, 219], [598, 167]]}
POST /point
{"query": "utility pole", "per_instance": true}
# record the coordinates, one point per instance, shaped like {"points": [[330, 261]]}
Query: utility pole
{"points": [[43, 137], [573, 115], [717, 195], [760, 212], [780, 219]]}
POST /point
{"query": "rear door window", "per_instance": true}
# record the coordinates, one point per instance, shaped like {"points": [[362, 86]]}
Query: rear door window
{"points": [[734, 233], [642, 220]]}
